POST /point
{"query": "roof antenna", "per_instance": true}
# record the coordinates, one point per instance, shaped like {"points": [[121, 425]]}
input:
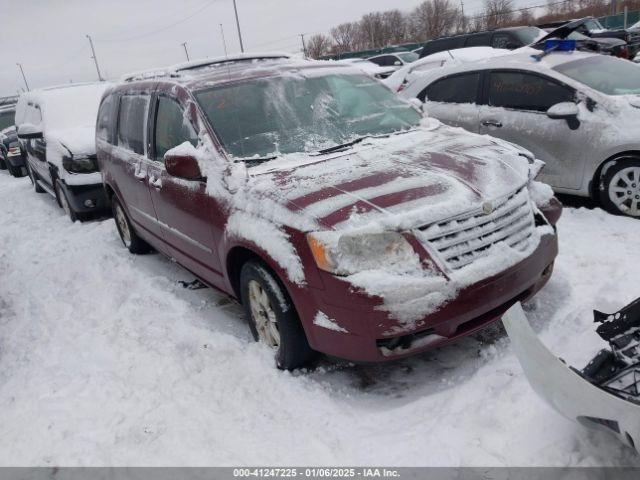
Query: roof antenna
{"points": [[224, 42]]}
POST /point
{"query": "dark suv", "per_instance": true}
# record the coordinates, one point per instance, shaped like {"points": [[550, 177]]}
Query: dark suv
{"points": [[340, 218], [506, 38]]}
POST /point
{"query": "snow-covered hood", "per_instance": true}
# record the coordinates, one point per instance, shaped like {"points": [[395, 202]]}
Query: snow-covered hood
{"points": [[396, 182], [79, 140]]}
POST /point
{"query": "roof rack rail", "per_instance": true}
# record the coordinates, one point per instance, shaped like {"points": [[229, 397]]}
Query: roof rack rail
{"points": [[178, 70]]}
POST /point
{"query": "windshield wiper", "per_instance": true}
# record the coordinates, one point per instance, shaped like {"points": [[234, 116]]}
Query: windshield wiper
{"points": [[342, 146], [256, 160]]}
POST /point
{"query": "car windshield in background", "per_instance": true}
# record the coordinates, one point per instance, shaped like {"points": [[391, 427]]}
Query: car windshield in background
{"points": [[7, 119], [529, 35], [408, 57], [608, 75], [268, 117]]}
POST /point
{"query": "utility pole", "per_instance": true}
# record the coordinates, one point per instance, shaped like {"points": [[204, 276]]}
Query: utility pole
{"points": [[304, 47], [23, 76], [235, 9], [186, 52], [224, 42], [95, 59]]}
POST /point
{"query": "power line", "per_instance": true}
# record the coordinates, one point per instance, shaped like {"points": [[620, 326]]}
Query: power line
{"points": [[161, 29]]}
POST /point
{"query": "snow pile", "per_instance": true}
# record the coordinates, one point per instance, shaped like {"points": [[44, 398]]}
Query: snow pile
{"points": [[106, 361]]}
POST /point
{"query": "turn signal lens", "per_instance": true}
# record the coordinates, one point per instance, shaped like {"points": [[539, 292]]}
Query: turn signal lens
{"points": [[320, 254]]}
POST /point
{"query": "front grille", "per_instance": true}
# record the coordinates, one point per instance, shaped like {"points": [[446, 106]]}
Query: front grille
{"points": [[462, 240]]}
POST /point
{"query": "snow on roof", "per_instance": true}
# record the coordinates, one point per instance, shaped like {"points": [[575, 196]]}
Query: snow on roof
{"points": [[65, 106], [204, 63]]}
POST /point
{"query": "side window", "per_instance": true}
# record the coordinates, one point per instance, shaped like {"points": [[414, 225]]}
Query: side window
{"points": [[105, 123], [502, 40], [456, 89], [524, 91], [382, 61], [478, 40], [172, 128], [132, 122]]}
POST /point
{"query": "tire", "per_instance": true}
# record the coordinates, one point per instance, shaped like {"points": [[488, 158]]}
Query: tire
{"points": [[16, 171], [272, 317], [128, 235], [63, 201], [620, 188], [33, 178], [3, 162]]}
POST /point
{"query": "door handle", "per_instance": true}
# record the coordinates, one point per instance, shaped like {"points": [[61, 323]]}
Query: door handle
{"points": [[155, 182], [492, 123], [139, 173]]}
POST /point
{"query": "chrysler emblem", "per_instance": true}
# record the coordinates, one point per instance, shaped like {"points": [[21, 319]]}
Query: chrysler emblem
{"points": [[487, 208]]}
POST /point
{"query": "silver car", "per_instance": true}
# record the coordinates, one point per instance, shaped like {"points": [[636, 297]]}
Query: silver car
{"points": [[579, 112]]}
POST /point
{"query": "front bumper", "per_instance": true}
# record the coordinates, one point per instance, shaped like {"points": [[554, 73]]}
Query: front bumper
{"points": [[86, 198], [368, 336]]}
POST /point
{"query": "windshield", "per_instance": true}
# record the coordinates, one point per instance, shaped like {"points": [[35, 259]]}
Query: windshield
{"points": [[593, 25], [529, 35], [7, 119], [609, 75], [408, 57], [271, 116]]}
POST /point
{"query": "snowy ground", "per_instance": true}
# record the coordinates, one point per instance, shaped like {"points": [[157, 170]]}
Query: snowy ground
{"points": [[106, 360]]}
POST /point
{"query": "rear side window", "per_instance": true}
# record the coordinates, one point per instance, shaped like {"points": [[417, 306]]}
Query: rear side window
{"points": [[132, 122], [525, 91], [105, 124], [456, 89], [478, 40], [385, 61], [172, 128]]}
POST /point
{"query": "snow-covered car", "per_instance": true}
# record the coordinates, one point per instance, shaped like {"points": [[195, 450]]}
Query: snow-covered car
{"points": [[56, 130], [576, 111], [368, 67], [394, 60], [10, 156], [605, 395], [402, 77], [341, 219]]}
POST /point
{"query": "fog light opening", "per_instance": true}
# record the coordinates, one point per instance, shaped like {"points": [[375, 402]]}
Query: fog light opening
{"points": [[90, 203]]}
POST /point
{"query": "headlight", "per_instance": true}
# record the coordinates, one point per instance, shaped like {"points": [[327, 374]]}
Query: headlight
{"points": [[348, 254], [87, 164]]}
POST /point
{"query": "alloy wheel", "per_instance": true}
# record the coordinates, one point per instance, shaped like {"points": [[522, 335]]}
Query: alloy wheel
{"points": [[123, 226], [624, 191], [263, 315]]}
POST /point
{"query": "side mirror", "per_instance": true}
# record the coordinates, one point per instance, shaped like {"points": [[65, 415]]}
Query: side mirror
{"points": [[397, 63], [182, 166], [565, 111], [417, 104], [29, 130]]}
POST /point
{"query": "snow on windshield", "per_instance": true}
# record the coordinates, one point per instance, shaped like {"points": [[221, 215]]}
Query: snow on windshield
{"points": [[611, 76], [293, 113]]}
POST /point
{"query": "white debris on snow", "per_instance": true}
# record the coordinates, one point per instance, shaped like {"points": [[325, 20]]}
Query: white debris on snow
{"points": [[322, 320], [104, 360]]}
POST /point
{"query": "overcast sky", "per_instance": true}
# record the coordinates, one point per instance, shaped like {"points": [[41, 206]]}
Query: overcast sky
{"points": [[48, 36]]}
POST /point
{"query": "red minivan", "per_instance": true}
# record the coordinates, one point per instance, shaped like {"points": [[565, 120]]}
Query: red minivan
{"points": [[343, 219]]}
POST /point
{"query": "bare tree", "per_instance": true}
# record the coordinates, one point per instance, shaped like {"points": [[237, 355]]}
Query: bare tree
{"points": [[498, 13], [394, 26], [318, 45], [372, 30], [345, 37], [434, 18]]}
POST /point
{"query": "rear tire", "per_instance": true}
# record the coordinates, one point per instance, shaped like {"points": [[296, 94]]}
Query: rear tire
{"points": [[34, 180], [64, 202], [128, 235], [272, 317], [16, 171], [620, 191]]}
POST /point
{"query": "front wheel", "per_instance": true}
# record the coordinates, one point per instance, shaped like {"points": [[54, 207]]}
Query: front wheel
{"points": [[272, 317], [620, 191], [64, 202]]}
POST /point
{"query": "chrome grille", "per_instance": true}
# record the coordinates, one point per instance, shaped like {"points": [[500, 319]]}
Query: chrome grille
{"points": [[462, 240]]}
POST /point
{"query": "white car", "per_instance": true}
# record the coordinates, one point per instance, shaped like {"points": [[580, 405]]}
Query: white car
{"points": [[578, 112], [403, 76], [368, 67], [394, 60]]}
